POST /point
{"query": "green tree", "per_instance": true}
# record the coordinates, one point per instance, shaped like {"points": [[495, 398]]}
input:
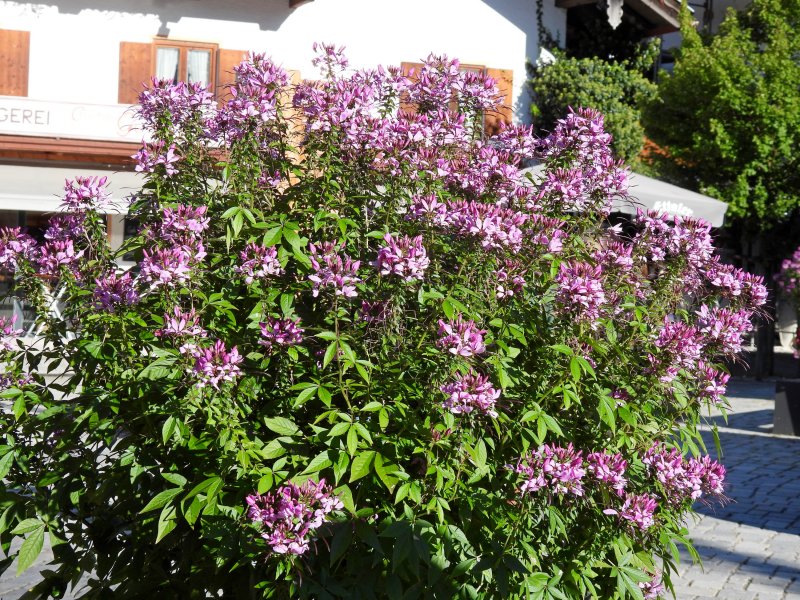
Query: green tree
{"points": [[730, 112], [615, 89]]}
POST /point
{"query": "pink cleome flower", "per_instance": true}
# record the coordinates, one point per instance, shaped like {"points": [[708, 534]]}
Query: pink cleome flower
{"points": [[471, 392], [258, 262], [290, 516], [404, 257], [215, 365], [280, 332], [462, 338]]}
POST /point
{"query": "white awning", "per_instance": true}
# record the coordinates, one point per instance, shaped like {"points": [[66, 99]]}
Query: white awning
{"points": [[651, 194], [40, 189]]}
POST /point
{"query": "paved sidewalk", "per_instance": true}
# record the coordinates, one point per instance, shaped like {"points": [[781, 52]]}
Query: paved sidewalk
{"points": [[751, 546]]}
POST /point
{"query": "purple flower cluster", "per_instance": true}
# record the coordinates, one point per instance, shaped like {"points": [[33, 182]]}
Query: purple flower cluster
{"points": [[559, 469], [333, 271], [735, 284], [53, 254], [460, 337], [15, 246], [684, 479], [63, 227], [8, 381], [637, 509], [609, 469], [496, 227], [253, 105], [329, 59], [724, 328], [113, 291], [8, 333], [179, 247], [181, 324], [653, 589], [688, 239], [148, 157], [85, 193], [593, 178], [788, 279], [280, 332], [580, 290], [165, 102], [509, 279], [168, 267], [470, 392], [290, 516], [215, 365], [258, 262], [713, 383], [681, 346], [374, 312], [404, 257]]}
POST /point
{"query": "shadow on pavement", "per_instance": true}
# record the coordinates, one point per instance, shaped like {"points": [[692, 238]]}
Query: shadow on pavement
{"points": [[763, 481]]}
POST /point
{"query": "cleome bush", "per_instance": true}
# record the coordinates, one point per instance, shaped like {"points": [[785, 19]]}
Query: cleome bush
{"points": [[362, 354]]}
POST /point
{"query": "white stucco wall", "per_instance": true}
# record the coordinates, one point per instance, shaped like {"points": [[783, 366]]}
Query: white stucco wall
{"points": [[74, 55]]}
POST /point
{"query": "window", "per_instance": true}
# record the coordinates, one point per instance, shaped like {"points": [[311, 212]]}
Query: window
{"points": [[184, 61], [192, 62]]}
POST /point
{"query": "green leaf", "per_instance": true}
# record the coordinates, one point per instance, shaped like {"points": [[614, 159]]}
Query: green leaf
{"points": [[30, 549], [339, 429], [167, 521], [563, 349], [383, 418], [175, 479], [5, 463], [265, 483], [161, 499], [273, 236], [281, 426], [480, 454], [27, 526], [305, 395], [575, 368], [168, 429], [360, 465], [192, 512], [352, 441], [318, 463], [329, 354]]}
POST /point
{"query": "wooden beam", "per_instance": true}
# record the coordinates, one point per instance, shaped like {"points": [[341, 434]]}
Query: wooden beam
{"points": [[660, 13], [23, 147], [573, 3], [296, 3]]}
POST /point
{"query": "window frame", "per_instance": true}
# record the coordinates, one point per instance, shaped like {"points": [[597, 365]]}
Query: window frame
{"points": [[183, 58]]}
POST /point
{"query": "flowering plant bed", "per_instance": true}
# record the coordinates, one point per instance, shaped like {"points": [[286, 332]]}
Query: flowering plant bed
{"points": [[361, 355]]}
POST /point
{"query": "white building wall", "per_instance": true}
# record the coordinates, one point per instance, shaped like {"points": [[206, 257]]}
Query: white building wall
{"points": [[74, 55]]}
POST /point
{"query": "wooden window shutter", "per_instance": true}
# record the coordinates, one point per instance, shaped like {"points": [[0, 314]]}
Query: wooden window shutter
{"points": [[504, 79], [226, 60], [135, 70], [14, 51], [406, 69]]}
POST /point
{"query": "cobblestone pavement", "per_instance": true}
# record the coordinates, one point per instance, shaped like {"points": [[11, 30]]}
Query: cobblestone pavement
{"points": [[750, 547]]}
